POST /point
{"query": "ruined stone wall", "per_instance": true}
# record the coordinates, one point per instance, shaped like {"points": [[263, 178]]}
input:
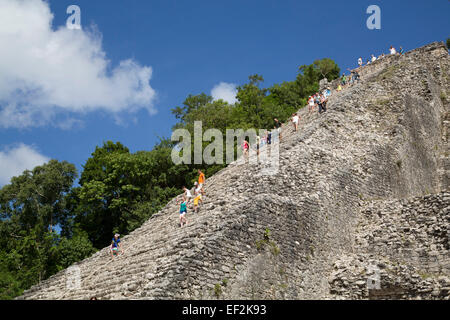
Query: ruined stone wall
{"points": [[403, 246], [284, 236]]}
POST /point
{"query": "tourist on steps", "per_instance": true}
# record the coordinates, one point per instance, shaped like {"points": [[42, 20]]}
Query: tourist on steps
{"points": [[198, 192], [187, 194], [343, 80], [258, 144], [183, 212], [392, 50], [201, 178], [295, 121], [115, 245], [320, 100], [317, 100], [278, 127], [354, 76], [323, 102], [311, 103], [245, 147]]}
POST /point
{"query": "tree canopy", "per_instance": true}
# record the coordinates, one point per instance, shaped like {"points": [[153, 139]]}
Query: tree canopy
{"points": [[31, 207]]}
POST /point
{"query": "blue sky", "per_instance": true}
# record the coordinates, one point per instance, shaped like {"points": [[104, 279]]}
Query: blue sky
{"points": [[192, 46]]}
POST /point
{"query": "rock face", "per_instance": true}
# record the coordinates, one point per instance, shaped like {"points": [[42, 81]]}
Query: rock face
{"points": [[323, 84], [402, 251], [358, 210]]}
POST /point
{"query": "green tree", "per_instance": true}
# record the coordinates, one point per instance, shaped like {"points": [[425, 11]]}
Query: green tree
{"points": [[310, 75], [120, 190], [74, 249], [191, 104], [30, 208], [327, 68], [251, 103], [287, 97], [9, 283], [37, 197], [101, 188]]}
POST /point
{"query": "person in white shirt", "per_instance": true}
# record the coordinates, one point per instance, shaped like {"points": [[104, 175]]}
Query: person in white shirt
{"points": [[392, 50], [360, 62], [295, 120], [374, 58], [187, 194], [198, 192], [311, 104]]}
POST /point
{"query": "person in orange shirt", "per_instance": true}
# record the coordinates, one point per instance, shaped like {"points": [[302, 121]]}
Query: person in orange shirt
{"points": [[201, 178]]}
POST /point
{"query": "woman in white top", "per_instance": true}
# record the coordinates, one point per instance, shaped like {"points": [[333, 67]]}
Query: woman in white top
{"points": [[295, 120], [311, 104], [392, 50], [187, 194]]}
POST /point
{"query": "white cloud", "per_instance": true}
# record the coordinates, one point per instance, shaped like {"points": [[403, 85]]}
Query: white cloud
{"points": [[46, 72], [225, 91], [14, 161]]}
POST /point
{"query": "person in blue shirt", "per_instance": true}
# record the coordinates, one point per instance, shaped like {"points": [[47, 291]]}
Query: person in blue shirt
{"points": [[115, 245]]}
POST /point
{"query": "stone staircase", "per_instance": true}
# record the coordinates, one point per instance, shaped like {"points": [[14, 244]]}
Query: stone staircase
{"points": [[278, 236]]}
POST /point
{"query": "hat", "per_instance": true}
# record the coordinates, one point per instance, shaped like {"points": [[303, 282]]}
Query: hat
{"points": [[117, 235], [195, 183]]}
